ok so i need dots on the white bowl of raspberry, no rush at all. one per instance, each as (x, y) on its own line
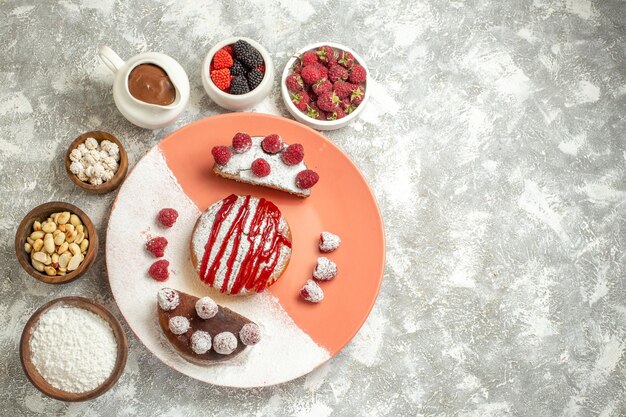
(324, 85)
(237, 73)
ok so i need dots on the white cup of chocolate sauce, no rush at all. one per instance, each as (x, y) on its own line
(150, 89)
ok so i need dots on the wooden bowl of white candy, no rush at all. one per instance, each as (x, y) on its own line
(96, 162)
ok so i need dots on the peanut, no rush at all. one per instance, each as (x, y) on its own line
(42, 257)
(54, 217)
(37, 235)
(79, 238)
(29, 240)
(80, 228)
(70, 236)
(63, 248)
(74, 220)
(84, 245)
(64, 217)
(61, 228)
(55, 258)
(50, 270)
(74, 248)
(69, 227)
(59, 239)
(37, 245)
(48, 244)
(38, 265)
(49, 227)
(74, 262)
(64, 259)
(36, 226)
(27, 247)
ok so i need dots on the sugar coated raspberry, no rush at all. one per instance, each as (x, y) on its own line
(242, 142)
(167, 217)
(329, 242)
(272, 144)
(325, 269)
(156, 246)
(179, 325)
(221, 154)
(260, 167)
(158, 270)
(224, 343)
(168, 299)
(200, 342)
(206, 308)
(312, 292)
(293, 155)
(250, 334)
(306, 179)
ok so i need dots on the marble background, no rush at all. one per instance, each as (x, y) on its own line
(494, 144)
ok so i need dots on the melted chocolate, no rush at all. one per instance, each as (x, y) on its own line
(150, 84)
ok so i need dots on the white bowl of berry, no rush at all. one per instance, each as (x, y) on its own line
(324, 85)
(237, 73)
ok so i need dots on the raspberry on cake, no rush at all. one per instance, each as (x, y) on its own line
(240, 245)
(266, 161)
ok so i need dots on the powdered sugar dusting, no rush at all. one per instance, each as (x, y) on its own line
(135, 293)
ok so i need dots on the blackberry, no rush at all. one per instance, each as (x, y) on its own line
(246, 53)
(254, 78)
(237, 68)
(239, 85)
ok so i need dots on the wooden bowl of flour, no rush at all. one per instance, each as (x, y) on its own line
(42, 384)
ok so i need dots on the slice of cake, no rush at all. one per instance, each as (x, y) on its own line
(202, 331)
(240, 245)
(266, 161)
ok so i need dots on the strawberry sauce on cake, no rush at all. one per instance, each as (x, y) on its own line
(241, 244)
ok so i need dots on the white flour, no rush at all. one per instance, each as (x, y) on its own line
(73, 349)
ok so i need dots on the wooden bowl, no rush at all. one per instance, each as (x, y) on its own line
(40, 383)
(120, 174)
(41, 213)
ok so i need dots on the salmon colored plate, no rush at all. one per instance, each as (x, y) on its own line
(341, 203)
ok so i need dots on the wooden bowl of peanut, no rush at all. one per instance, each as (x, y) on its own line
(96, 162)
(56, 242)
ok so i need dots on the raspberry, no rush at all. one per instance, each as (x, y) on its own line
(309, 57)
(229, 49)
(329, 242)
(343, 89)
(294, 82)
(260, 167)
(221, 78)
(306, 179)
(293, 155)
(325, 269)
(310, 74)
(345, 59)
(328, 101)
(158, 270)
(347, 106)
(322, 86)
(312, 292)
(250, 334)
(314, 112)
(167, 217)
(358, 74)
(242, 142)
(337, 73)
(337, 114)
(326, 54)
(272, 144)
(221, 154)
(357, 95)
(156, 246)
(222, 59)
(261, 68)
(323, 70)
(300, 99)
(297, 67)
